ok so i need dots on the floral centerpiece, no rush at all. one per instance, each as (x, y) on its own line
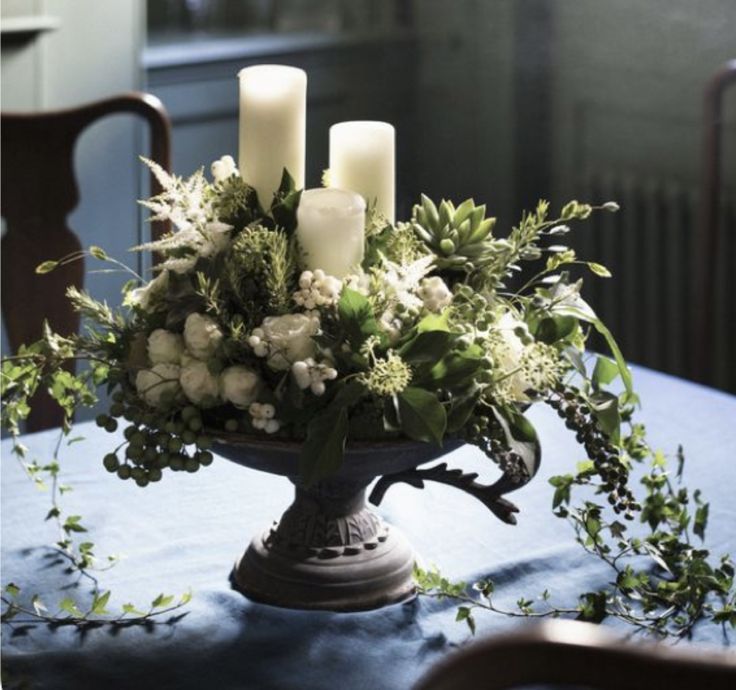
(256, 329)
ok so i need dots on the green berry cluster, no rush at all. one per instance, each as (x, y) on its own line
(155, 440)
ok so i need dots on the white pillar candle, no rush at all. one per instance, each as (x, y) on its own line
(331, 230)
(362, 159)
(273, 117)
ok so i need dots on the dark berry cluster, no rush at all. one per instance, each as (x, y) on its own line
(578, 416)
(485, 433)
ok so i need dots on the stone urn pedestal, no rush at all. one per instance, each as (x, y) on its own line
(330, 550)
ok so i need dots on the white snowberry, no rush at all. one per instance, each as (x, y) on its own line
(434, 293)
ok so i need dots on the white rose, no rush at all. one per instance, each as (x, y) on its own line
(199, 385)
(289, 338)
(202, 335)
(153, 383)
(165, 346)
(510, 356)
(148, 296)
(240, 386)
(224, 168)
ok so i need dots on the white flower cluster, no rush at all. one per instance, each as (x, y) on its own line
(188, 206)
(151, 295)
(434, 293)
(262, 417)
(224, 168)
(180, 365)
(309, 374)
(317, 289)
(521, 365)
(285, 339)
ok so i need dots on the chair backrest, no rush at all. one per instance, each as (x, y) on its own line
(39, 190)
(703, 323)
(579, 654)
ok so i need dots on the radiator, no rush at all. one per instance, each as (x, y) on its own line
(649, 247)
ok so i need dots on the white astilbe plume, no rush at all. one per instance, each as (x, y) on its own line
(401, 282)
(188, 206)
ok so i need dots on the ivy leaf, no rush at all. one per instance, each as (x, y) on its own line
(132, 610)
(434, 322)
(605, 372)
(701, 520)
(99, 602)
(456, 368)
(460, 412)
(356, 317)
(580, 309)
(605, 408)
(427, 346)
(69, 606)
(592, 607)
(162, 601)
(521, 437)
(422, 416)
(323, 450)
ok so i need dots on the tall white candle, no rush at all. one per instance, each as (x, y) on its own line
(363, 159)
(331, 230)
(273, 117)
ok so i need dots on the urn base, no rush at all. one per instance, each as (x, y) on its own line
(330, 552)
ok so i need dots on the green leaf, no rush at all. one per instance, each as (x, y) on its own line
(322, 452)
(132, 610)
(521, 437)
(185, 598)
(428, 346)
(592, 607)
(605, 371)
(422, 416)
(99, 602)
(701, 520)
(12, 589)
(356, 317)
(581, 310)
(460, 412)
(456, 368)
(53, 513)
(553, 329)
(69, 606)
(162, 601)
(434, 322)
(46, 267)
(605, 408)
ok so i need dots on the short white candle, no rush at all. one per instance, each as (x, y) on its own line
(273, 120)
(363, 159)
(331, 230)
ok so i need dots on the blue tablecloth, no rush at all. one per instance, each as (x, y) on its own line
(186, 532)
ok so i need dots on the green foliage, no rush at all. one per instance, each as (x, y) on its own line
(421, 416)
(356, 318)
(260, 269)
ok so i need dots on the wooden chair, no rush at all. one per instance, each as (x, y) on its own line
(703, 322)
(39, 190)
(579, 654)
